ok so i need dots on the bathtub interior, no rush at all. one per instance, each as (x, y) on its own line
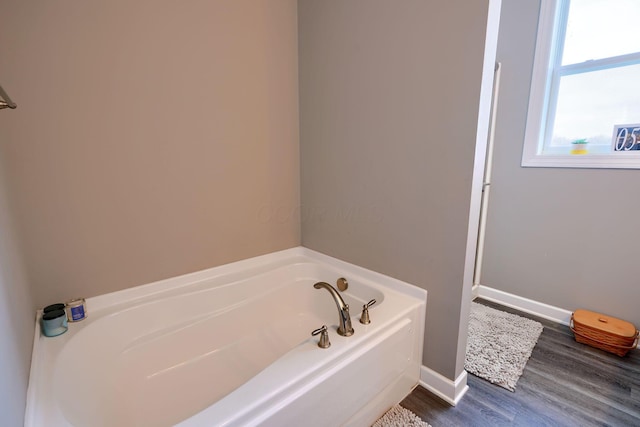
(195, 347)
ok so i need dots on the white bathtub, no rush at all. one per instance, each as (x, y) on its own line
(232, 346)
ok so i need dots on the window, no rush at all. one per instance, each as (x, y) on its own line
(584, 105)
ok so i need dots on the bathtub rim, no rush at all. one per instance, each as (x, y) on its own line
(162, 287)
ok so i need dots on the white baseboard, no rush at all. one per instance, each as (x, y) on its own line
(452, 391)
(540, 309)
(446, 389)
(546, 311)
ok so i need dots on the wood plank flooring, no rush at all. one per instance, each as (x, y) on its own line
(564, 384)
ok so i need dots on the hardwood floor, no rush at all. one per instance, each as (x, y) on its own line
(564, 384)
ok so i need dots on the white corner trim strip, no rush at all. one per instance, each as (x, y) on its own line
(540, 309)
(32, 388)
(446, 389)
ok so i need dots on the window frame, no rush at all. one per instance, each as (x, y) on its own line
(545, 82)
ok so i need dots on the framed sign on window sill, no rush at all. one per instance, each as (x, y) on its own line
(626, 138)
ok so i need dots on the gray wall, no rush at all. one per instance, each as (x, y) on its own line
(17, 314)
(152, 138)
(565, 237)
(389, 100)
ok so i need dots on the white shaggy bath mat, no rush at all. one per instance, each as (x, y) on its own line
(400, 417)
(499, 345)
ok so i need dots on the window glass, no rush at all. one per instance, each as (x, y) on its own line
(585, 84)
(599, 29)
(590, 104)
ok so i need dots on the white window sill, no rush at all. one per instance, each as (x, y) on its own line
(600, 161)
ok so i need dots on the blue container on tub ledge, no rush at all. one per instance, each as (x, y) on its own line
(54, 320)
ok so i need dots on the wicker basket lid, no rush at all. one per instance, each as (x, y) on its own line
(604, 323)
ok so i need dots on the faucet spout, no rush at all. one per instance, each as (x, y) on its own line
(344, 325)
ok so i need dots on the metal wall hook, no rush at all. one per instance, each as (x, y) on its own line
(5, 101)
(364, 317)
(324, 337)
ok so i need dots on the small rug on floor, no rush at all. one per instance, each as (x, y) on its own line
(499, 345)
(400, 417)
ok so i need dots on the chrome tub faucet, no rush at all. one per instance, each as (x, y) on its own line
(345, 329)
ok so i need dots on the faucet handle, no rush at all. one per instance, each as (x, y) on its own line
(364, 317)
(324, 336)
